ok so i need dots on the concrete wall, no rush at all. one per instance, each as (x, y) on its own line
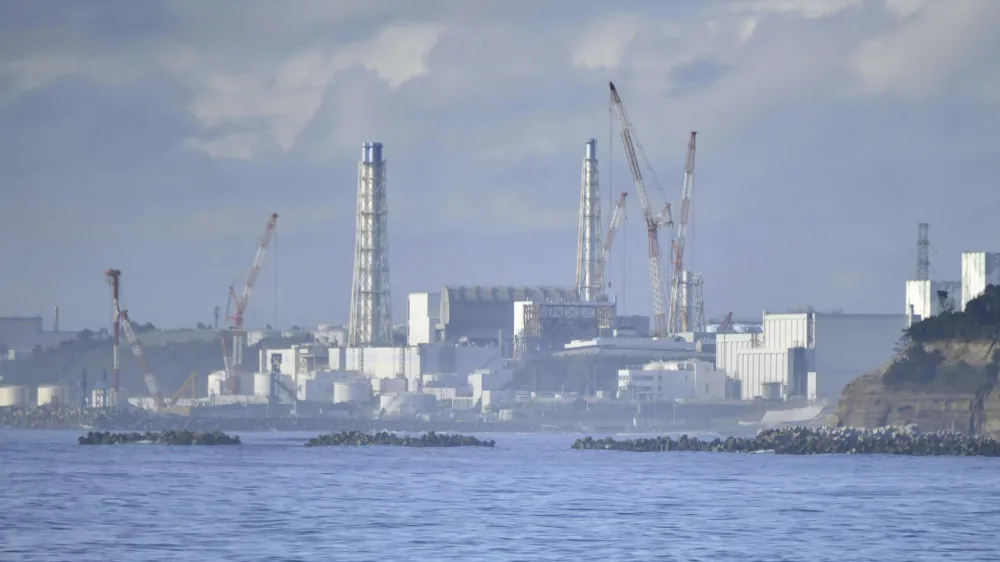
(849, 345)
(726, 346)
(782, 331)
(979, 269)
(756, 367)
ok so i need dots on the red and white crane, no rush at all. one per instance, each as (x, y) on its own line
(234, 360)
(680, 294)
(653, 223)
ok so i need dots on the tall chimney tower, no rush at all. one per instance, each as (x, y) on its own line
(923, 252)
(55, 318)
(371, 305)
(590, 240)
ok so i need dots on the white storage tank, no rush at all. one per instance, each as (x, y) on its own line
(13, 395)
(262, 384)
(51, 394)
(351, 391)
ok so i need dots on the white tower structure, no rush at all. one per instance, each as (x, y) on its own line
(371, 304)
(590, 248)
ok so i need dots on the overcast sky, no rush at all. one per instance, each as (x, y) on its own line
(156, 137)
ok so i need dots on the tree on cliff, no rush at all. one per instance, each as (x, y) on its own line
(979, 321)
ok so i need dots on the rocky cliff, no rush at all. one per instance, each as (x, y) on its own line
(938, 385)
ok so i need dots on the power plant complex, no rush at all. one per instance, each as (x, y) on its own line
(488, 350)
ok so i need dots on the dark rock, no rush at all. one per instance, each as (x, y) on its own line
(430, 439)
(816, 441)
(182, 437)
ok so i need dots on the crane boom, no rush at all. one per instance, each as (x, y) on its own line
(653, 223)
(232, 363)
(616, 219)
(679, 312)
(147, 373)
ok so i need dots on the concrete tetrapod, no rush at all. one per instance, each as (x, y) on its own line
(430, 439)
(182, 437)
(816, 441)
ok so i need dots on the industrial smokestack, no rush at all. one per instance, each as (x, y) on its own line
(55, 318)
(590, 248)
(371, 307)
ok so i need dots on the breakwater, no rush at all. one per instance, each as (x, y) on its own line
(815, 441)
(429, 439)
(160, 438)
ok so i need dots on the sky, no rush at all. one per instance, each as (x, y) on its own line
(156, 137)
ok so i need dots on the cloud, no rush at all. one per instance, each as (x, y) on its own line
(156, 136)
(603, 43)
(936, 45)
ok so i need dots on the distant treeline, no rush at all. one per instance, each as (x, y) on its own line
(979, 321)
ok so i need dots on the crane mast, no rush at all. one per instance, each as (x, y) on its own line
(653, 223)
(235, 360)
(616, 219)
(680, 290)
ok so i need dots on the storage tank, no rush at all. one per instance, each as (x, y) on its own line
(351, 391)
(51, 394)
(262, 384)
(13, 395)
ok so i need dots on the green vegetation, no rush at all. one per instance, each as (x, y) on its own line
(922, 363)
(978, 322)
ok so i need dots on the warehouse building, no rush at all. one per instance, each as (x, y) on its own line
(672, 380)
(808, 354)
(482, 314)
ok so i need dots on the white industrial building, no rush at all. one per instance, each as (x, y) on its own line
(924, 298)
(315, 370)
(673, 380)
(979, 269)
(423, 317)
(808, 354)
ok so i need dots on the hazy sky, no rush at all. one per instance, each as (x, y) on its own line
(156, 137)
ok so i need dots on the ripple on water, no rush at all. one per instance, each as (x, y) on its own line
(531, 498)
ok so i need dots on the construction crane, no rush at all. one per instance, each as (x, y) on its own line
(616, 219)
(233, 361)
(680, 289)
(653, 223)
(726, 327)
(147, 373)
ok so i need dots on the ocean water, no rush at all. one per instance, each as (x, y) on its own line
(531, 498)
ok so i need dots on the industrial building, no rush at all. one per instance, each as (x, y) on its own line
(672, 380)
(926, 298)
(807, 354)
(979, 269)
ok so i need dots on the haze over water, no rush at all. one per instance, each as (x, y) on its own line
(531, 498)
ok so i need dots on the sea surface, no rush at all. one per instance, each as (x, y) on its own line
(531, 498)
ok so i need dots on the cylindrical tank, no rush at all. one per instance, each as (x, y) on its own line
(351, 391)
(262, 384)
(13, 395)
(51, 394)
